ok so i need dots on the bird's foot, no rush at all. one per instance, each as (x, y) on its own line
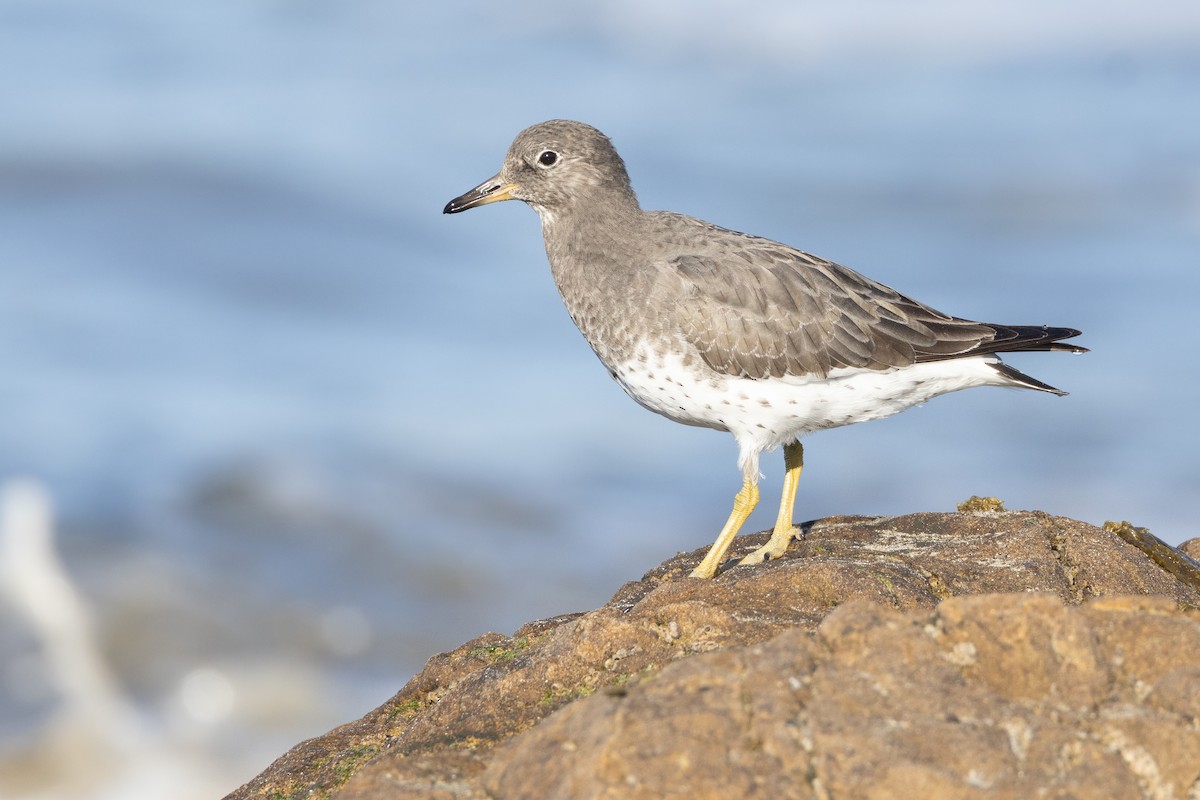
(775, 547)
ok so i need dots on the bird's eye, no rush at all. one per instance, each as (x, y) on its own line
(548, 158)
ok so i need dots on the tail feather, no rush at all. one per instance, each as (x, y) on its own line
(1019, 378)
(1027, 339)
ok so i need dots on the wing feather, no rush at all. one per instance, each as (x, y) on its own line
(782, 311)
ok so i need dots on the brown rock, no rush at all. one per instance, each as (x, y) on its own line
(931, 655)
(1191, 548)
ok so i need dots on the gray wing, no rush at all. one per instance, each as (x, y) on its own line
(759, 309)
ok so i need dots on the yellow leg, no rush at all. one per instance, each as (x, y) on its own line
(743, 504)
(781, 537)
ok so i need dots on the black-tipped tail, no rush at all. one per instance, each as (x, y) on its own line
(1019, 378)
(1027, 339)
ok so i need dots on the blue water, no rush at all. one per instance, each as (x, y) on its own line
(266, 381)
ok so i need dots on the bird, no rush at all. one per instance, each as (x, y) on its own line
(719, 329)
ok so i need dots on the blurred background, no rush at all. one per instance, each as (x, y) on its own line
(273, 430)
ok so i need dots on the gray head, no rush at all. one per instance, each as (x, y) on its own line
(554, 166)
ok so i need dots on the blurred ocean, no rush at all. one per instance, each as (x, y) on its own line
(300, 431)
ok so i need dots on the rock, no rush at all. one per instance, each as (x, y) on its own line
(1191, 549)
(1010, 654)
(1004, 694)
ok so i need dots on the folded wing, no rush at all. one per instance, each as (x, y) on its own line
(763, 310)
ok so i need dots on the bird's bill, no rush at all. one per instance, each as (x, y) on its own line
(493, 190)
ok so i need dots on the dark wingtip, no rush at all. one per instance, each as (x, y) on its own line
(1029, 338)
(1067, 348)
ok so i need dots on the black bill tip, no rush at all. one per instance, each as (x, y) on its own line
(492, 190)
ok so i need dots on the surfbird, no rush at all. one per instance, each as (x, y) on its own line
(720, 329)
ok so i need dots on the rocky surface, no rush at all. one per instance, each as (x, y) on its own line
(985, 653)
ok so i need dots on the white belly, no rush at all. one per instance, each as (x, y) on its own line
(763, 414)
